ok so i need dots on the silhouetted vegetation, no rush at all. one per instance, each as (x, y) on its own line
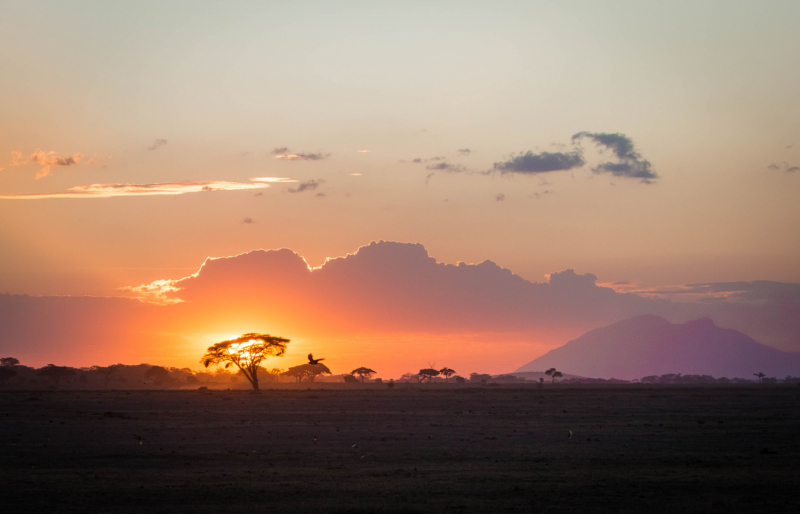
(447, 373)
(307, 371)
(363, 372)
(246, 352)
(56, 374)
(9, 361)
(428, 373)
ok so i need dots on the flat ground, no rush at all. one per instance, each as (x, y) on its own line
(408, 449)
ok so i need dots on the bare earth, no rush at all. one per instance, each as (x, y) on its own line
(426, 448)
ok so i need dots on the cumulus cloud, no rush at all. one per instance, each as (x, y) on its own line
(157, 144)
(309, 185)
(543, 162)
(784, 166)
(163, 188)
(382, 293)
(629, 163)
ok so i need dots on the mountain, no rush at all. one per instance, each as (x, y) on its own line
(651, 345)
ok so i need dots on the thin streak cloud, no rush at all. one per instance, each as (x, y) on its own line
(164, 188)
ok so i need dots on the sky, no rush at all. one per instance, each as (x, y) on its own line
(650, 144)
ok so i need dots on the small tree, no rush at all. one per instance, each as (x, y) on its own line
(9, 361)
(428, 373)
(246, 352)
(760, 376)
(56, 373)
(308, 371)
(447, 373)
(552, 373)
(363, 372)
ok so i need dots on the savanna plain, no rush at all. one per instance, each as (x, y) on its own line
(411, 448)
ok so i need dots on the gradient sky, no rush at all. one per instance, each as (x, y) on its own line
(198, 95)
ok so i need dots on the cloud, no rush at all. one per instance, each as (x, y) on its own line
(284, 154)
(500, 197)
(784, 166)
(463, 151)
(164, 188)
(630, 163)
(384, 297)
(157, 144)
(543, 162)
(48, 159)
(445, 166)
(310, 185)
(17, 159)
(248, 221)
(417, 160)
(363, 151)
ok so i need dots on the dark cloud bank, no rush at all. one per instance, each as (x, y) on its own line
(627, 161)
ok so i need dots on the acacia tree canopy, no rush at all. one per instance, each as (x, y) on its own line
(363, 372)
(246, 352)
(428, 373)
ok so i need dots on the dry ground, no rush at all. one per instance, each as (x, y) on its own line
(409, 449)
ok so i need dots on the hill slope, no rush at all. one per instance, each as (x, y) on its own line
(650, 345)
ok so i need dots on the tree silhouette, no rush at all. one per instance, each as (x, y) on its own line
(9, 361)
(428, 373)
(363, 372)
(246, 352)
(309, 371)
(552, 373)
(158, 374)
(447, 373)
(56, 373)
(109, 373)
(760, 376)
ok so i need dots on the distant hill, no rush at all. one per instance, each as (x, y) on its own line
(650, 345)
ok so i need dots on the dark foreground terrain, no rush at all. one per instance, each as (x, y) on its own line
(410, 449)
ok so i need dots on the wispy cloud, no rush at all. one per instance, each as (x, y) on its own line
(500, 197)
(544, 162)
(164, 188)
(363, 151)
(248, 221)
(284, 154)
(445, 166)
(784, 166)
(306, 186)
(630, 162)
(463, 151)
(157, 144)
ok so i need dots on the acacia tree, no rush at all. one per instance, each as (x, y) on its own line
(363, 372)
(760, 376)
(552, 373)
(428, 373)
(307, 371)
(447, 373)
(9, 361)
(246, 353)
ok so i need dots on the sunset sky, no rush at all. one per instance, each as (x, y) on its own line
(650, 144)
